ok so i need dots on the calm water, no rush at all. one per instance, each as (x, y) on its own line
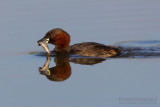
(115, 82)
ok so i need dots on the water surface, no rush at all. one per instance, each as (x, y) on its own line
(126, 23)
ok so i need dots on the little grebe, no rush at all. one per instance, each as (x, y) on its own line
(61, 40)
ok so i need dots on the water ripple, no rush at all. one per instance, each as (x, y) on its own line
(140, 49)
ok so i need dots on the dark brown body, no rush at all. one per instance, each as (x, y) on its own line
(93, 49)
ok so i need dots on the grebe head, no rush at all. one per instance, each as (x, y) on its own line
(57, 37)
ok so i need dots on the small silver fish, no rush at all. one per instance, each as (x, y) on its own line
(44, 45)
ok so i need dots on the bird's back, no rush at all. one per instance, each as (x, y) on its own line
(93, 49)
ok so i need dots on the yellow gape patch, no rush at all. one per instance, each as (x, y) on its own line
(47, 40)
(48, 72)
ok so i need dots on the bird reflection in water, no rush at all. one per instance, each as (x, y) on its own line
(62, 70)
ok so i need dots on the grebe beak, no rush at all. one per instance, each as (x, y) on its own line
(44, 40)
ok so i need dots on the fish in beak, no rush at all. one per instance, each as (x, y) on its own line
(43, 42)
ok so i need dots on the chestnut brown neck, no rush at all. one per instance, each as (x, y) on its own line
(61, 42)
